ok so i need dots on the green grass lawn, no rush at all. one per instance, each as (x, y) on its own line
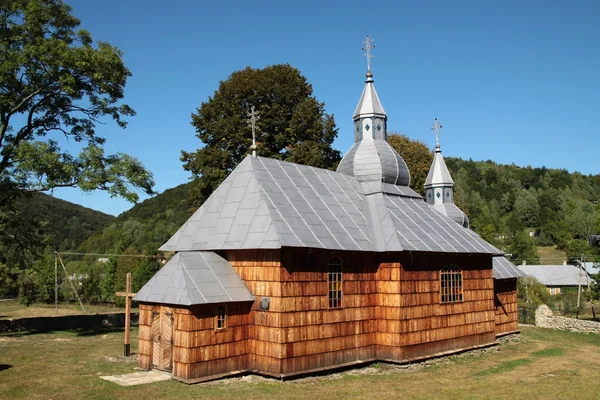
(544, 364)
(550, 255)
(13, 309)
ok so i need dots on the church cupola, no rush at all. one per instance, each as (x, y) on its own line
(439, 186)
(371, 158)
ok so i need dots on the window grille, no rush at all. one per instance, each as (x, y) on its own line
(451, 289)
(335, 282)
(221, 317)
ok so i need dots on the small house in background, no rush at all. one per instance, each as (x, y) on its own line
(557, 277)
(288, 269)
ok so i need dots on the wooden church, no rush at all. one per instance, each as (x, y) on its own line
(288, 269)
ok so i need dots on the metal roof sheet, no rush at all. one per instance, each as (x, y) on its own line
(267, 203)
(189, 278)
(555, 275)
(504, 269)
(369, 104)
(438, 173)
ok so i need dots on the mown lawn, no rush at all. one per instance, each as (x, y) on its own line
(544, 364)
(13, 309)
(550, 255)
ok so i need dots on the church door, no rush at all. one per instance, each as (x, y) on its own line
(162, 338)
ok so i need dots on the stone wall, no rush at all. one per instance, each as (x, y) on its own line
(545, 318)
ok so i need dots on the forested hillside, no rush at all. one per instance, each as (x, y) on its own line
(64, 225)
(145, 226)
(506, 202)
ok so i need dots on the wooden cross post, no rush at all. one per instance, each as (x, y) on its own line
(128, 296)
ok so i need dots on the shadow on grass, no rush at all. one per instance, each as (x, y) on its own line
(83, 332)
(5, 367)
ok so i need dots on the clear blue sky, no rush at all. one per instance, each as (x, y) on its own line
(511, 81)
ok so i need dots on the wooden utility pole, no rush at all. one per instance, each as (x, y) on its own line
(70, 281)
(128, 296)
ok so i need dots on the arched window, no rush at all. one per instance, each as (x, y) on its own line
(334, 279)
(451, 288)
(220, 317)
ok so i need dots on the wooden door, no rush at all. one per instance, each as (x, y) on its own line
(162, 338)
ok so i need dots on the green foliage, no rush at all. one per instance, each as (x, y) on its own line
(531, 293)
(418, 158)
(144, 272)
(293, 125)
(27, 287)
(57, 84)
(506, 200)
(107, 284)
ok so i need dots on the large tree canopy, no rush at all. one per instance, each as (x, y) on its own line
(57, 84)
(293, 125)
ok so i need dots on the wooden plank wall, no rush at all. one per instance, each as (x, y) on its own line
(145, 336)
(507, 316)
(412, 322)
(263, 275)
(199, 350)
(391, 311)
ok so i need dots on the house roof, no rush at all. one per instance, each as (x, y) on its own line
(266, 203)
(504, 269)
(555, 275)
(592, 268)
(200, 277)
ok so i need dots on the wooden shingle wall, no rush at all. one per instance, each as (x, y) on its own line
(390, 311)
(413, 323)
(507, 317)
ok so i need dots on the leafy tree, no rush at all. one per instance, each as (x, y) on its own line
(57, 84)
(527, 207)
(522, 248)
(293, 125)
(530, 291)
(144, 272)
(417, 156)
(107, 285)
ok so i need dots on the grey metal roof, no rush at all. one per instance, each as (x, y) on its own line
(592, 268)
(266, 203)
(504, 269)
(200, 277)
(374, 160)
(369, 104)
(453, 212)
(438, 173)
(555, 275)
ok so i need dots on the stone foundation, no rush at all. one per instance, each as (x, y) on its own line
(545, 318)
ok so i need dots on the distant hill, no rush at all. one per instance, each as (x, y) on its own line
(145, 226)
(68, 224)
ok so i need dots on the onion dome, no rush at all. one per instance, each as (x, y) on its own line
(371, 158)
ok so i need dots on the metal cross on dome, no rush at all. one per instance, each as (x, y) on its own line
(367, 49)
(436, 126)
(252, 120)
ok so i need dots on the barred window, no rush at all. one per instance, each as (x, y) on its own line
(451, 285)
(334, 277)
(221, 318)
